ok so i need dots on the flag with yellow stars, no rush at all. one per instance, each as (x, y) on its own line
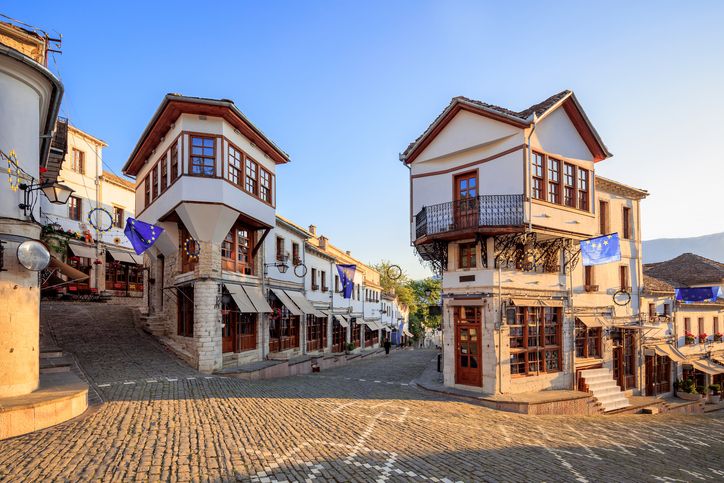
(600, 250)
(141, 235)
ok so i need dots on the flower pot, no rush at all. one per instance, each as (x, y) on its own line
(688, 397)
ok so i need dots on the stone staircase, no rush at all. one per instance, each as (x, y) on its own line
(153, 324)
(602, 385)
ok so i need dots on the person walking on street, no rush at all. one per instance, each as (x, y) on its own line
(387, 346)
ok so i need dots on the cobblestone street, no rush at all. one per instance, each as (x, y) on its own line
(364, 422)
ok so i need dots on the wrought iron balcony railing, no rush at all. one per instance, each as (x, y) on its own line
(482, 211)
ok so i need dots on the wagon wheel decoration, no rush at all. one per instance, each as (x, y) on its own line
(300, 270)
(622, 298)
(394, 272)
(193, 253)
(96, 224)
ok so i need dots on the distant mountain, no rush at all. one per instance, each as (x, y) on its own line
(662, 249)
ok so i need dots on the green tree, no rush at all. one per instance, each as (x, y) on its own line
(427, 294)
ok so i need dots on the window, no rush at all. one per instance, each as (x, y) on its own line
(203, 156)
(466, 256)
(623, 276)
(603, 217)
(569, 185)
(535, 341)
(716, 325)
(323, 280)
(154, 182)
(164, 173)
(316, 333)
(667, 309)
(174, 162)
(147, 191)
(589, 280)
(337, 288)
(185, 297)
(626, 228)
(227, 246)
(687, 325)
(588, 341)
(701, 326)
(233, 174)
(250, 185)
(314, 279)
(536, 166)
(583, 189)
(652, 310)
(75, 208)
(554, 180)
(280, 249)
(77, 162)
(265, 188)
(296, 259)
(117, 217)
(236, 250)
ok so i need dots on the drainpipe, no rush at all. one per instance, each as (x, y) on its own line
(530, 174)
(500, 330)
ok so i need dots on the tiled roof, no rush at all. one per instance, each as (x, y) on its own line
(687, 270)
(522, 116)
(112, 178)
(653, 284)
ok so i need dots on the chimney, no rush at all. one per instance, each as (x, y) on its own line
(322, 242)
(349, 253)
(313, 230)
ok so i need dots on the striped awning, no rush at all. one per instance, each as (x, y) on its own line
(590, 321)
(122, 256)
(304, 304)
(242, 300)
(342, 319)
(82, 251)
(288, 303)
(257, 298)
(667, 350)
(708, 366)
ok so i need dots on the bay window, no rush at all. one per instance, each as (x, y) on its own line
(554, 181)
(569, 185)
(203, 156)
(537, 173)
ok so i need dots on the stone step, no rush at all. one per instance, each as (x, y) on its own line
(598, 378)
(608, 390)
(594, 386)
(595, 372)
(54, 369)
(617, 405)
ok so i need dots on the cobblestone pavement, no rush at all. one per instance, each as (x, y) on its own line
(362, 422)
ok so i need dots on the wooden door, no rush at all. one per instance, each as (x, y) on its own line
(468, 346)
(465, 204)
(650, 377)
(228, 332)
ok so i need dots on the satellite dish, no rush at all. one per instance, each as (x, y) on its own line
(33, 255)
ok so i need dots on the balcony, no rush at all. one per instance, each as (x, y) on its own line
(484, 214)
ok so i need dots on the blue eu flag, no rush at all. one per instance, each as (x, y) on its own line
(346, 276)
(141, 235)
(697, 294)
(600, 250)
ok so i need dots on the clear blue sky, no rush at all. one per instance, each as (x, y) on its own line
(344, 86)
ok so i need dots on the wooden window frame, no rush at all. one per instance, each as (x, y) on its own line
(279, 248)
(624, 279)
(467, 256)
(571, 187)
(603, 217)
(251, 183)
(553, 187)
(296, 258)
(715, 321)
(520, 343)
(154, 182)
(538, 185)
(626, 223)
(174, 162)
(231, 247)
(588, 341)
(323, 280)
(164, 173)
(652, 310)
(77, 163)
(237, 177)
(687, 325)
(337, 287)
(701, 326)
(118, 220)
(203, 156)
(589, 278)
(313, 275)
(75, 208)
(584, 190)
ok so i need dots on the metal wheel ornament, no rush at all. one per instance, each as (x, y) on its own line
(394, 272)
(300, 270)
(187, 248)
(622, 298)
(98, 226)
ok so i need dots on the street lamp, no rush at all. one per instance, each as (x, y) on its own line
(56, 193)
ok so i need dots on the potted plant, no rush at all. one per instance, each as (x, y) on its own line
(714, 393)
(689, 338)
(349, 347)
(718, 337)
(687, 390)
(702, 338)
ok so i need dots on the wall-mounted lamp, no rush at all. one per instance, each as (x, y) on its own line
(57, 193)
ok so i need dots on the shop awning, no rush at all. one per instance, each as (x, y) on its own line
(67, 270)
(257, 298)
(304, 304)
(122, 256)
(284, 298)
(324, 313)
(522, 302)
(82, 251)
(590, 321)
(669, 351)
(466, 302)
(552, 303)
(242, 301)
(707, 366)
(372, 324)
(342, 319)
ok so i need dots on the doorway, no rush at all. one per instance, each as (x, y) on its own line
(465, 205)
(468, 346)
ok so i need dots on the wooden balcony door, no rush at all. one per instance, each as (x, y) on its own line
(465, 205)
(468, 346)
(624, 358)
